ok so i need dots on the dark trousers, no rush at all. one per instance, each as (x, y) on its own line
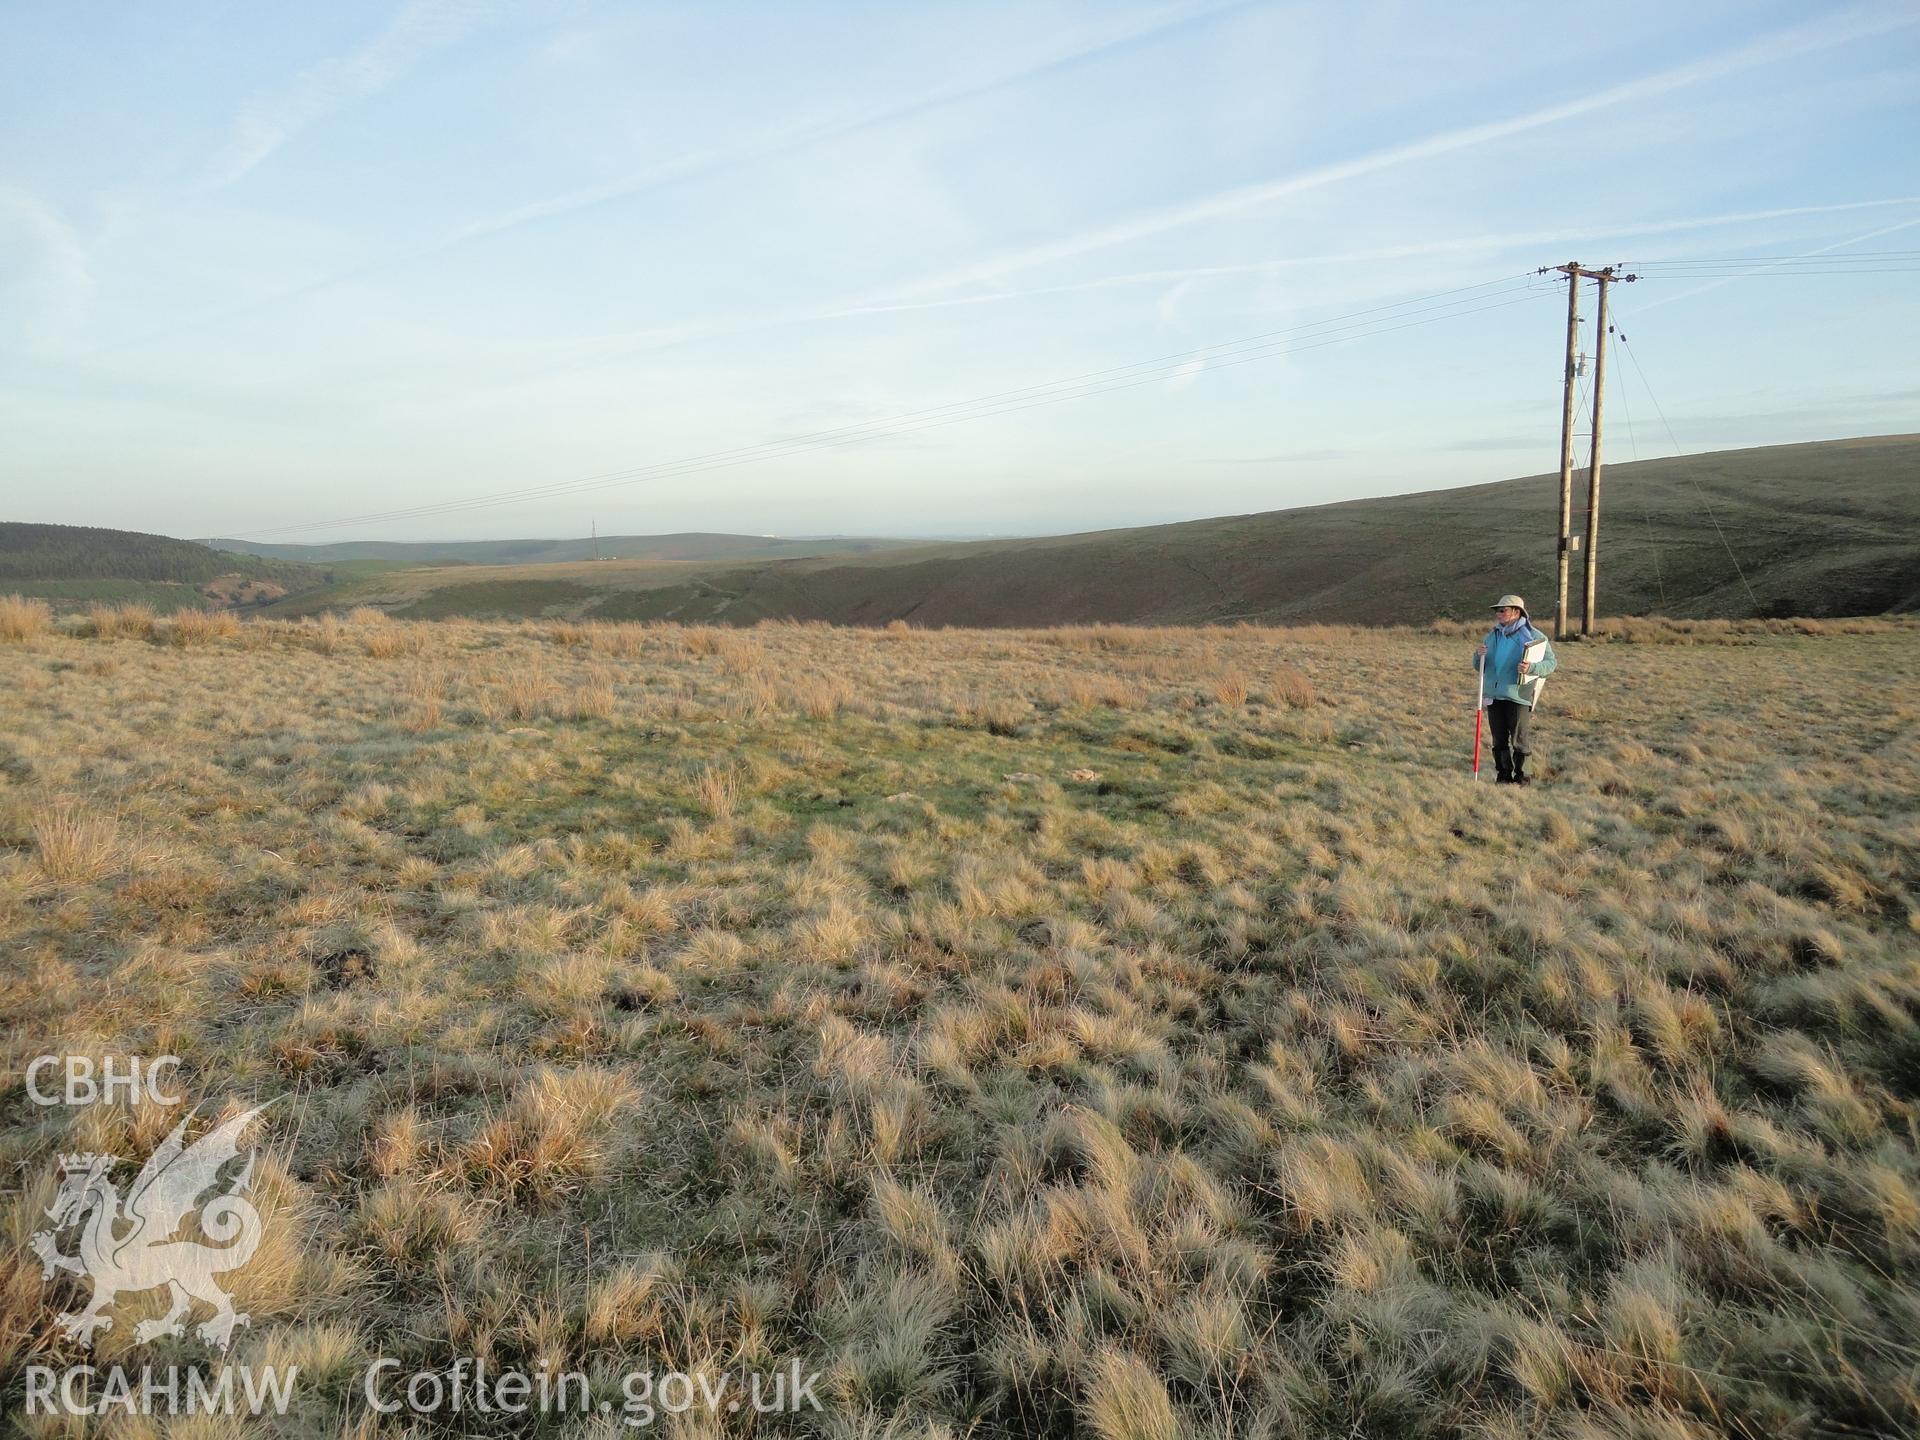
(1508, 720)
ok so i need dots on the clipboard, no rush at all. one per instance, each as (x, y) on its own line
(1530, 684)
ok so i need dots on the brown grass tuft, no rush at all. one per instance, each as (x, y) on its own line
(719, 790)
(131, 621)
(819, 697)
(22, 618)
(386, 638)
(1291, 688)
(551, 1141)
(72, 843)
(1230, 690)
(525, 694)
(1124, 1399)
(202, 627)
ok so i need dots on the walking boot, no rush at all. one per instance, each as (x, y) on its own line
(1520, 776)
(1503, 767)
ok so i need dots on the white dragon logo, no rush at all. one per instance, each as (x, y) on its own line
(146, 1256)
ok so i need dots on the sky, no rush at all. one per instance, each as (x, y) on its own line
(305, 273)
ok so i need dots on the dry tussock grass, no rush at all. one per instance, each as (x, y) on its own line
(131, 621)
(716, 996)
(526, 694)
(379, 635)
(621, 641)
(22, 619)
(423, 702)
(202, 627)
(719, 790)
(72, 842)
(1231, 690)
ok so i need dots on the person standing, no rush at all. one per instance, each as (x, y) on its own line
(1510, 684)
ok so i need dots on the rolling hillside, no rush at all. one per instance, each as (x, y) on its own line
(687, 546)
(75, 564)
(1828, 528)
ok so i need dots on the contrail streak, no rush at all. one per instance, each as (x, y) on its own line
(1856, 24)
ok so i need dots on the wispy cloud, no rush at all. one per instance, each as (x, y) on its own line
(1484, 244)
(268, 121)
(1857, 23)
(422, 24)
(794, 136)
(45, 277)
(1185, 375)
(1287, 457)
(1492, 444)
(1837, 415)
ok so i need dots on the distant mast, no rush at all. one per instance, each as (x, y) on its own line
(596, 538)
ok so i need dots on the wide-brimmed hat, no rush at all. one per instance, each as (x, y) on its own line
(1505, 600)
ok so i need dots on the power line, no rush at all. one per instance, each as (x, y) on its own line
(1815, 257)
(1838, 258)
(1646, 504)
(1686, 467)
(1904, 267)
(1810, 257)
(1717, 271)
(1830, 260)
(1786, 262)
(1421, 310)
(1789, 274)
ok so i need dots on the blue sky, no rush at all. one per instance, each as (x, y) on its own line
(262, 266)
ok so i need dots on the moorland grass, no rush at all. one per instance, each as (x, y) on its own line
(1134, 1033)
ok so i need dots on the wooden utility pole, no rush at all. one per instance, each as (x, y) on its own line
(1575, 273)
(1592, 558)
(1572, 271)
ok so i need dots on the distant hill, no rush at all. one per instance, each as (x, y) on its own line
(688, 546)
(1828, 528)
(79, 563)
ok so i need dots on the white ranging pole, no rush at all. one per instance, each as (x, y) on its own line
(1479, 707)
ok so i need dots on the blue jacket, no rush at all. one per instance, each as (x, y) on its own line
(1502, 678)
